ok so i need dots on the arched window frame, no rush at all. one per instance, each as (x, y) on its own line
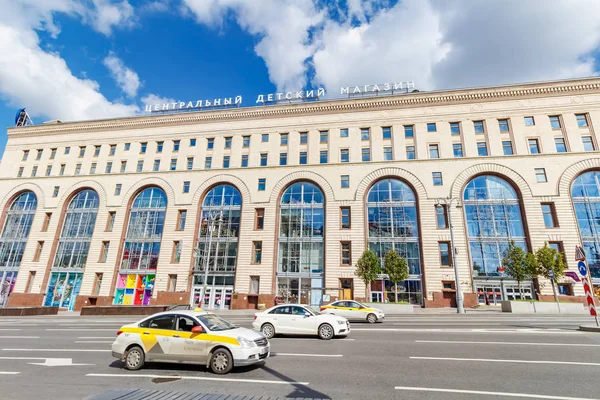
(15, 232)
(585, 194)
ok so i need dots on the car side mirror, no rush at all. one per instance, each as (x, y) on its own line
(197, 329)
(306, 315)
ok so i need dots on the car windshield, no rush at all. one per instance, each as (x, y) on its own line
(313, 310)
(214, 322)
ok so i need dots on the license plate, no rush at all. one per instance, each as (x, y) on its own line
(265, 350)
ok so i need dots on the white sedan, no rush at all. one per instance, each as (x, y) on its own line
(295, 319)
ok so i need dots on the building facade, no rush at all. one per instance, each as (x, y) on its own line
(235, 207)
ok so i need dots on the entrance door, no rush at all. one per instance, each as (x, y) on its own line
(346, 292)
(377, 297)
(63, 289)
(489, 294)
(216, 297)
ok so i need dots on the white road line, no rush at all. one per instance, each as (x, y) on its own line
(9, 329)
(503, 394)
(517, 331)
(97, 337)
(510, 343)
(94, 341)
(9, 373)
(307, 355)
(198, 378)
(58, 350)
(79, 329)
(507, 361)
(19, 337)
(315, 339)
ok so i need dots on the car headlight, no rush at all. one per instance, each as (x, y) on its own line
(340, 322)
(245, 343)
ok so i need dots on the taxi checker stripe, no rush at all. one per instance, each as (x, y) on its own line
(167, 332)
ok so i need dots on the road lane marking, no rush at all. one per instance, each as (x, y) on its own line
(79, 329)
(503, 394)
(97, 337)
(9, 329)
(510, 343)
(198, 378)
(57, 350)
(94, 341)
(9, 373)
(19, 337)
(507, 361)
(546, 331)
(315, 339)
(307, 355)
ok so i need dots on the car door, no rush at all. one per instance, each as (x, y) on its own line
(156, 335)
(302, 323)
(281, 319)
(341, 309)
(188, 346)
(353, 311)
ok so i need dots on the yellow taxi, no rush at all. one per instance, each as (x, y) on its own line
(354, 311)
(195, 337)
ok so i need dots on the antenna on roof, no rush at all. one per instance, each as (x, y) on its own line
(22, 118)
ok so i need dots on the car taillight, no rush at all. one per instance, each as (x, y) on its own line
(119, 332)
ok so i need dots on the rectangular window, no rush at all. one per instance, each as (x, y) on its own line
(284, 139)
(323, 157)
(387, 154)
(210, 144)
(20, 173)
(190, 163)
(365, 133)
(67, 150)
(113, 150)
(457, 149)
(345, 155)
(344, 132)
(30, 281)
(110, 222)
(282, 158)
(81, 151)
(256, 252)
(207, 162)
(226, 162)
(181, 217)
(409, 131)
(228, 142)
(482, 149)
(345, 181)
(97, 284)
(25, 155)
(434, 151)
(558, 246)
(176, 144)
(38, 251)
(156, 166)
(265, 137)
(104, 252)
(455, 128)
(262, 184)
(159, 146)
(529, 121)
(192, 142)
(346, 253)
(173, 165)
(303, 158)
(254, 284)
(555, 121)
(479, 127)
(581, 120)
(108, 168)
(437, 178)
(445, 255)
(143, 148)
(56, 190)
(96, 151)
(118, 187)
(92, 168)
(186, 186)
(431, 127)
(123, 166)
(441, 216)
(52, 154)
(77, 169)
(503, 125)
(410, 152)
(507, 148)
(38, 156)
(49, 170)
(387, 132)
(47, 219)
(35, 168)
(244, 160)
(324, 136)
(259, 219)
(176, 255)
(62, 169)
(534, 146)
(540, 175)
(303, 137)
(549, 213)
(588, 144)
(366, 154)
(560, 144)
(246, 141)
(345, 217)
(263, 159)
(127, 146)
(172, 282)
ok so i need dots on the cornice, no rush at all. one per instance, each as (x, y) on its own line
(420, 99)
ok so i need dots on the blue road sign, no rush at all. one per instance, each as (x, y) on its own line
(551, 274)
(582, 268)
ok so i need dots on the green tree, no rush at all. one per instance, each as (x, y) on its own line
(519, 264)
(396, 268)
(550, 265)
(368, 268)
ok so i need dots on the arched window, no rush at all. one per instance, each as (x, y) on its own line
(15, 232)
(217, 246)
(72, 251)
(586, 200)
(393, 225)
(136, 278)
(494, 219)
(301, 231)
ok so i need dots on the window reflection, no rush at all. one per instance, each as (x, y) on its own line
(16, 230)
(586, 200)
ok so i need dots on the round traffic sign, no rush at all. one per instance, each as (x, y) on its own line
(582, 268)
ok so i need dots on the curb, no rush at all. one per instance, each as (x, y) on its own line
(589, 328)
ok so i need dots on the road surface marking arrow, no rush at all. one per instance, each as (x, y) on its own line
(57, 362)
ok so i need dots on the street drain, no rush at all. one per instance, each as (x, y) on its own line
(165, 379)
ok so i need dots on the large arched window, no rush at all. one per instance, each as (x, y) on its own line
(393, 225)
(136, 278)
(217, 246)
(72, 251)
(301, 232)
(494, 220)
(15, 232)
(586, 199)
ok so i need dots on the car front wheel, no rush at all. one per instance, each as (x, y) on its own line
(134, 358)
(326, 332)
(371, 318)
(221, 361)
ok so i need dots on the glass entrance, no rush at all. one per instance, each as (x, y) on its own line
(492, 293)
(7, 284)
(218, 292)
(63, 289)
(489, 294)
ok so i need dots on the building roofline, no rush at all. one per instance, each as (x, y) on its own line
(425, 98)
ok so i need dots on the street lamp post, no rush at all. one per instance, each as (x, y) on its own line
(448, 202)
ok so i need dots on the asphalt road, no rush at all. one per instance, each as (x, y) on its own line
(479, 356)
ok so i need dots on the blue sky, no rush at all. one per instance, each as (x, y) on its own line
(89, 59)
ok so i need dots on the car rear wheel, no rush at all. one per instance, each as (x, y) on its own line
(268, 330)
(326, 332)
(371, 318)
(134, 358)
(221, 361)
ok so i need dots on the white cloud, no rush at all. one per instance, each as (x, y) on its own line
(126, 78)
(152, 99)
(106, 14)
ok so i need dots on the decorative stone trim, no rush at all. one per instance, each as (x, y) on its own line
(494, 169)
(403, 174)
(22, 188)
(302, 176)
(152, 181)
(68, 194)
(568, 176)
(222, 179)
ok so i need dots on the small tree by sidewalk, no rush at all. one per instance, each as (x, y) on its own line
(396, 269)
(519, 264)
(550, 264)
(368, 268)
